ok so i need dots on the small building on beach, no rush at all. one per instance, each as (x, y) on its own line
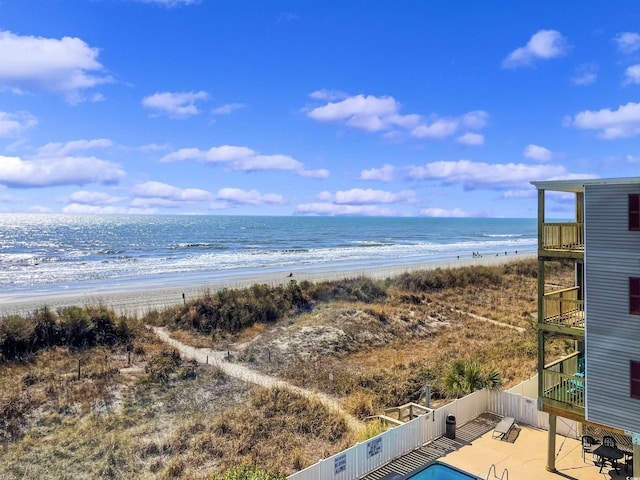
(598, 316)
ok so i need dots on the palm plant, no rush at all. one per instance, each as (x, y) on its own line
(464, 377)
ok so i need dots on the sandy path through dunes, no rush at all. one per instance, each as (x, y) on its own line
(217, 358)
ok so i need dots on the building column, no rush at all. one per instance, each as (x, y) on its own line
(636, 459)
(551, 444)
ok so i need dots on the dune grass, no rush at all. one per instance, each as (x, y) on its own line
(136, 411)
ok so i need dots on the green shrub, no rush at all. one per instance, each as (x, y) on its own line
(248, 472)
(15, 337)
(163, 367)
(75, 327)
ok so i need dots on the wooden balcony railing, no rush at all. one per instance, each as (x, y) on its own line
(563, 236)
(562, 307)
(563, 388)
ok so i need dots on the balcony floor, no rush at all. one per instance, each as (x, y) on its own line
(571, 319)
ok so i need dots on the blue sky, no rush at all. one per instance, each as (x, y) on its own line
(390, 108)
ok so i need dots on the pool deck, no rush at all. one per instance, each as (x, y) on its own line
(523, 454)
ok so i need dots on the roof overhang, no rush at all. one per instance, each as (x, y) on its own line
(579, 185)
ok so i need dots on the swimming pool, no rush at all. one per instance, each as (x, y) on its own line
(440, 471)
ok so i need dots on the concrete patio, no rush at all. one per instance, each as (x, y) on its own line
(524, 456)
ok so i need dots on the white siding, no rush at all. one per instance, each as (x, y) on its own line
(612, 255)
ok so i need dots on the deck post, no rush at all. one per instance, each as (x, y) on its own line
(636, 458)
(551, 445)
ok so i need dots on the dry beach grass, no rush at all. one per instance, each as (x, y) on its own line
(370, 344)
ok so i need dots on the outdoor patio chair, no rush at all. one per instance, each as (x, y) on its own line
(609, 441)
(503, 428)
(588, 442)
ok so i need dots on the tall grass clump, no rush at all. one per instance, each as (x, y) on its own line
(359, 289)
(73, 327)
(440, 279)
(232, 310)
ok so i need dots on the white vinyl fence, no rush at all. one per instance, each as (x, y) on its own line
(365, 457)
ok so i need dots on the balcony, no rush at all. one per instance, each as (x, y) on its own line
(563, 308)
(563, 384)
(568, 236)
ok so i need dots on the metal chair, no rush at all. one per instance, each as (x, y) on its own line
(588, 442)
(609, 441)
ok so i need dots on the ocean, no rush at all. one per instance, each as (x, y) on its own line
(42, 253)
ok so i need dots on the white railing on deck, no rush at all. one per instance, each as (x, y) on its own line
(365, 457)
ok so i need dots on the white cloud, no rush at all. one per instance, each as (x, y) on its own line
(471, 139)
(228, 108)
(47, 172)
(360, 196)
(518, 194)
(244, 159)
(585, 74)
(346, 210)
(85, 197)
(384, 174)
(67, 65)
(382, 114)
(238, 196)
(153, 147)
(13, 124)
(326, 94)
(81, 209)
(224, 153)
(475, 120)
(480, 175)
(441, 212)
(164, 191)
(632, 74)
(628, 42)
(633, 158)
(544, 44)
(39, 209)
(320, 173)
(57, 149)
(177, 105)
(368, 113)
(439, 129)
(621, 123)
(267, 162)
(538, 153)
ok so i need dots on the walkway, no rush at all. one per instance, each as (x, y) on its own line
(217, 358)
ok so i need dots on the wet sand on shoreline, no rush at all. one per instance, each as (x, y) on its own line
(137, 300)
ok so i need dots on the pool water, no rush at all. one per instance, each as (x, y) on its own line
(441, 471)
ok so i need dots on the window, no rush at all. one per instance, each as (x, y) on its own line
(634, 373)
(634, 296)
(634, 211)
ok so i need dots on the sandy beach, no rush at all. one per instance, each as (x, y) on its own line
(137, 300)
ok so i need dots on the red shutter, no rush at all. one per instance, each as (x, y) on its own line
(634, 212)
(634, 374)
(634, 296)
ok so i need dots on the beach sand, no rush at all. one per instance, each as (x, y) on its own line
(138, 300)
